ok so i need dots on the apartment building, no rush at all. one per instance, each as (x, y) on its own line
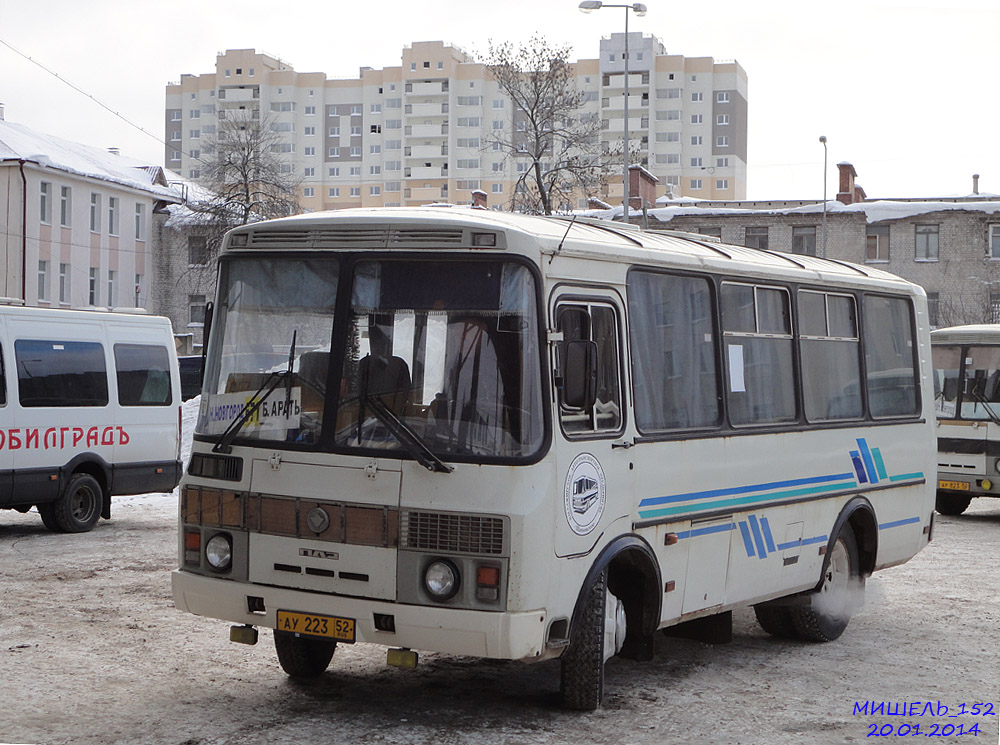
(76, 222)
(421, 132)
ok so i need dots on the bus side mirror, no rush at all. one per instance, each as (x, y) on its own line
(580, 374)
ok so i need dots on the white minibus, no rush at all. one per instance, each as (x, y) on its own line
(89, 409)
(530, 438)
(967, 404)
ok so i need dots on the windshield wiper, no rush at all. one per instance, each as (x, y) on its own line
(409, 439)
(986, 405)
(225, 443)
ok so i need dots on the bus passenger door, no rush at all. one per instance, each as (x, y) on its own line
(589, 382)
(6, 421)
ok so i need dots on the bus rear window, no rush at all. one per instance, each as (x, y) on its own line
(61, 373)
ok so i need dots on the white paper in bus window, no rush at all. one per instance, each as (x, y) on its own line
(736, 382)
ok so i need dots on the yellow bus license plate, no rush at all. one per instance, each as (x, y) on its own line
(310, 624)
(953, 485)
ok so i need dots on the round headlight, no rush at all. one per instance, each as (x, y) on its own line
(441, 579)
(219, 552)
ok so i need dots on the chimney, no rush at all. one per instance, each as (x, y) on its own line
(478, 200)
(975, 176)
(114, 151)
(847, 194)
(641, 188)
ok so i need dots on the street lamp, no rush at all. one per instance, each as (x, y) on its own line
(640, 10)
(822, 138)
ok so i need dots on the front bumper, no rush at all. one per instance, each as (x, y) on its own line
(511, 636)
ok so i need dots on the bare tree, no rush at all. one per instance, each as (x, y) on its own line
(559, 142)
(244, 169)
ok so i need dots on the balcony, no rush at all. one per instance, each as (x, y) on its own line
(635, 124)
(617, 103)
(433, 88)
(617, 82)
(423, 195)
(426, 109)
(426, 151)
(239, 94)
(427, 130)
(426, 172)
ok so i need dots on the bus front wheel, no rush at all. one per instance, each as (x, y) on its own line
(840, 592)
(301, 656)
(581, 685)
(951, 504)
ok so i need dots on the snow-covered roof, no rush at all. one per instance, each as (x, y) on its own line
(18, 142)
(193, 195)
(874, 211)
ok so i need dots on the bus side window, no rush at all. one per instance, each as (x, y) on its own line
(3, 380)
(598, 324)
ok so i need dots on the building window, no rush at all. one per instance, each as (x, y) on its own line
(376, 108)
(721, 183)
(196, 310)
(927, 242)
(93, 294)
(695, 184)
(994, 307)
(140, 222)
(755, 237)
(95, 214)
(309, 131)
(804, 240)
(356, 109)
(333, 191)
(697, 118)
(994, 242)
(722, 120)
(374, 191)
(45, 202)
(722, 97)
(112, 276)
(64, 283)
(696, 140)
(697, 96)
(696, 162)
(112, 215)
(310, 111)
(308, 191)
(877, 243)
(722, 162)
(197, 250)
(933, 304)
(43, 280)
(722, 141)
(356, 151)
(65, 206)
(333, 152)
(355, 191)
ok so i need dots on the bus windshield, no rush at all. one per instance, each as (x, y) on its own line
(448, 349)
(440, 358)
(974, 395)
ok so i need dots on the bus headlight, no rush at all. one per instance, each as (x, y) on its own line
(441, 579)
(219, 552)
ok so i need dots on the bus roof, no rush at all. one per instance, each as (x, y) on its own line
(423, 228)
(976, 333)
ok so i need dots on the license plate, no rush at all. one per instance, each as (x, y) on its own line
(953, 485)
(311, 624)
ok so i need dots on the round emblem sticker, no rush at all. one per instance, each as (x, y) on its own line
(583, 494)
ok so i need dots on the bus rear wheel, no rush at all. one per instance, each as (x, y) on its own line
(302, 656)
(952, 504)
(829, 611)
(78, 508)
(776, 620)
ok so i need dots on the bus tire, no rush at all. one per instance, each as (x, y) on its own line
(48, 514)
(776, 620)
(581, 684)
(951, 504)
(832, 603)
(79, 506)
(302, 656)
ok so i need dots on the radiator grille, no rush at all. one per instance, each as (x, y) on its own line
(348, 237)
(465, 534)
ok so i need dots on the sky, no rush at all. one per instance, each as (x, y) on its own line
(903, 90)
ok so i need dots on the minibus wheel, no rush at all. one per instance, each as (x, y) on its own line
(302, 656)
(79, 506)
(951, 504)
(776, 620)
(840, 592)
(581, 685)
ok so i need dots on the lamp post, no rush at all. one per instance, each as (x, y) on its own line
(640, 10)
(822, 138)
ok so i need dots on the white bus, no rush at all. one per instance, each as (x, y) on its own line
(526, 438)
(967, 403)
(90, 408)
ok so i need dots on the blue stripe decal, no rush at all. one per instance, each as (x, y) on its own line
(879, 463)
(866, 455)
(746, 539)
(897, 523)
(907, 476)
(758, 540)
(767, 534)
(706, 531)
(859, 467)
(651, 501)
(817, 539)
(790, 544)
(663, 511)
